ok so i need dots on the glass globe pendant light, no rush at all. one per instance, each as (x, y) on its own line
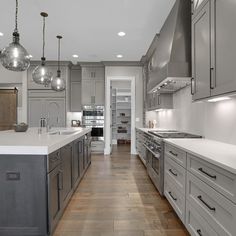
(58, 83)
(41, 74)
(15, 57)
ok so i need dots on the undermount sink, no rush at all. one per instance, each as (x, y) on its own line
(63, 132)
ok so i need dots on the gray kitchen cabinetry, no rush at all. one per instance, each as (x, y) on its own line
(93, 86)
(66, 166)
(213, 54)
(37, 188)
(157, 101)
(75, 90)
(44, 105)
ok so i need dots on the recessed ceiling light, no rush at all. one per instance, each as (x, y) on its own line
(218, 99)
(121, 34)
(1, 34)
(119, 56)
(75, 56)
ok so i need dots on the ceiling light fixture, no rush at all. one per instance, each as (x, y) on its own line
(41, 74)
(58, 83)
(1, 34)
(119, 56)
(121, 34)
(75, 56)
(218, 99)
(15, 57)
(30, 56)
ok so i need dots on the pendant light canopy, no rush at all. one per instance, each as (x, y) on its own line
(41, 74)
(58, 83)
(15, 57)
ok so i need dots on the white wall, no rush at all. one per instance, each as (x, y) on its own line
(132, 71)
(215, 121)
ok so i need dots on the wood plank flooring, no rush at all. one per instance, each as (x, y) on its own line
(117, 198)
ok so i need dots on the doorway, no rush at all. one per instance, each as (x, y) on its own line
(120, 114)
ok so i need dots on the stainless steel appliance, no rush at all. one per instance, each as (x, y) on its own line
(155, 154)
(93, 116)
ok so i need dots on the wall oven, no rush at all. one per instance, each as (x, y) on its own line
(93, 117)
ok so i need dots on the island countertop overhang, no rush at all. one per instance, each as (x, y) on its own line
(32, 143)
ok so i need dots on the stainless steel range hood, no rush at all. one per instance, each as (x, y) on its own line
(172, 68)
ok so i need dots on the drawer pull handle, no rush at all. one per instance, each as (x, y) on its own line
(204, 172)
(175, 199)
(174, 154)
(172, 172)
(206, 204)
(199, 232)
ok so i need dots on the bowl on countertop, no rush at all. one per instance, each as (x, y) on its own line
(22, 127)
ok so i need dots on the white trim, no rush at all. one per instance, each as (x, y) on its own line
(107, 133)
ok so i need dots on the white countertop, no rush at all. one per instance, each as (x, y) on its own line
(220, 154)
(32, 143)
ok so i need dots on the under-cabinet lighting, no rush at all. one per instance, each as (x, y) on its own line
(160, 109)
(119, 56)
(121, 34)
(1, 34)
(75, 56)
(218, 99)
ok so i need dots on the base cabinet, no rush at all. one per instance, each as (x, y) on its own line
(37, 188)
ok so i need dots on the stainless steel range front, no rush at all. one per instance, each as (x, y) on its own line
(155, 154)
(93, 116)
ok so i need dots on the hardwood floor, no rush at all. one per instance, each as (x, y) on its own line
(117, 198)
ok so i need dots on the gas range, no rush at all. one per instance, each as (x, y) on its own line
(172, 134)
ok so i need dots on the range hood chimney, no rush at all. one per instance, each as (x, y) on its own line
(172, 69)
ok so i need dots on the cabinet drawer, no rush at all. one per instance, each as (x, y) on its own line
(176, 173)
(176, 154)
(220, 179)
(218, 211)
(175, 197)
(197, 225)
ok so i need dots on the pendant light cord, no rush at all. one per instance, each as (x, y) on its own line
(16, 17)
(43, 35)
(59, 52)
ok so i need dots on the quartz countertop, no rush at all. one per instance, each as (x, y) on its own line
(33, 143)
(220, 154)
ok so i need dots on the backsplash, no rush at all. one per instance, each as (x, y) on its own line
(215, 121)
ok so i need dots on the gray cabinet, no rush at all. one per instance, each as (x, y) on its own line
(201, 52)
(93, 86)
(159, 101)
(46, 104)
(214, 51)
(66, 157)
(75, 90)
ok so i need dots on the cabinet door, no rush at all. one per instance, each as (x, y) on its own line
(75, 96)
(55, 111)
(99, 92)
(35, 111)
(86, 92)
(81, 156)
(76, 164)
(54, 186)
(66, 155)
(201, 53)
(224, 71)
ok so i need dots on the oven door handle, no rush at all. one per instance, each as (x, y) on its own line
(153, 153)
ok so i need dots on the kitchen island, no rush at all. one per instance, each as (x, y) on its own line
(38, 174)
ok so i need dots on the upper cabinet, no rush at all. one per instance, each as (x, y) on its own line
(75, 89)
(93, 85)
(213, 49)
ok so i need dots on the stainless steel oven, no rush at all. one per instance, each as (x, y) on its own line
(93, 116)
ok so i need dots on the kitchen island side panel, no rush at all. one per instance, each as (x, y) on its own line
(23, 195)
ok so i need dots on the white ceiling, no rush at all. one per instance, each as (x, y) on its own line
(89, 27)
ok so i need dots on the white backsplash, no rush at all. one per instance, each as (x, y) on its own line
(215, 121)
